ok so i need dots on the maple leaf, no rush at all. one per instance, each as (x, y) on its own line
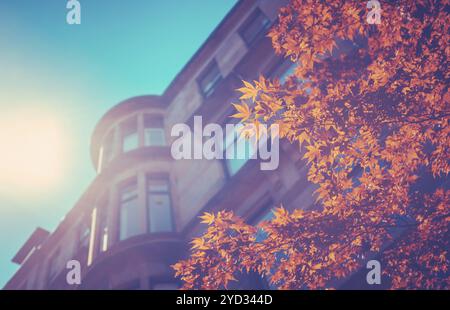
(357, 241)
(199, 244)
(316, 266)
(244, 111)
(207, 218)
(249, 91)
(303, 137)
(312, 153)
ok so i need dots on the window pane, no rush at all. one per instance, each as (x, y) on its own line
(130, 142)
(129, 213)
(255, 27)
(130, 138)
(154, 130)
(241, 149)
(261, 234)
(85, 232)
(129, 219)
(53, 265)
(102, 230)
(287, 73)
(129, 192)
(210, 79)
(160, 215)
(154, 137)
(158, 187)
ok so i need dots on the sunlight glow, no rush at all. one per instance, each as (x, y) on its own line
(33, 152)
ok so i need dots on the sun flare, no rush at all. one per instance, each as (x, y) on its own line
(33, 152)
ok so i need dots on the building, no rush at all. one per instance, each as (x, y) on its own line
(140, 212)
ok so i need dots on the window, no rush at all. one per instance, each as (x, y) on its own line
(84, 234)
(159, 209)
(238, 151)
(209, 79)
(283, 70)
(287, 73)
(108, 148)
(53, 266)
(129, 211)
(106, 152)
(254, 27)
(130, 140)
(154, 131)
(102, 228)
(266, 216)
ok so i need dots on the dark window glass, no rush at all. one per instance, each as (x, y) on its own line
(267, 216)
(284, 70)
(129, 212)
(254, 27)
(159, 207)
(209, 79)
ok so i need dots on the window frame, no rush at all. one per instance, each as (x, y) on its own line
(283, 69)
(159, 126)
(84, 232)
(252, 17)
(159, 178)
(131, 122)
(225, 160)
(202, 76)
(102, 225)
(121, 201)
(52, 263)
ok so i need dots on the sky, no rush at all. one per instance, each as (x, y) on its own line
(56, 82)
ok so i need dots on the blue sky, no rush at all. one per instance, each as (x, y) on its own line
(62, 78)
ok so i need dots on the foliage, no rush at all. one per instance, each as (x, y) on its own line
(373, 123)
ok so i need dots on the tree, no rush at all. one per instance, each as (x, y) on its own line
(373, 124)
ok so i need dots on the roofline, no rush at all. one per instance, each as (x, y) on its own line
(167, 94)
(34, 240)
